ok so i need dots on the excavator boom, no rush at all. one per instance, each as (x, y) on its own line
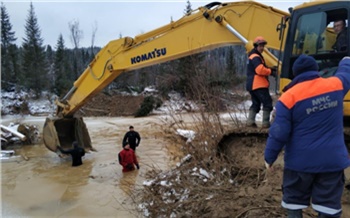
(204, 29)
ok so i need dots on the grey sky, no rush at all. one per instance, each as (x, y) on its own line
(112, 17)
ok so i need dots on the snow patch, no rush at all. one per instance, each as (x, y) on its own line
(16, 102)
(188, 134)
(148, 182)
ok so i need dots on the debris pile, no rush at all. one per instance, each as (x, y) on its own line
(19, 134)
(208, 183)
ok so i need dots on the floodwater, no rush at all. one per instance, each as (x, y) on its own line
(47, 185)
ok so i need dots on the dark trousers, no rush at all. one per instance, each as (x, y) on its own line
(261, 96)
(133, 146)
(324, 190)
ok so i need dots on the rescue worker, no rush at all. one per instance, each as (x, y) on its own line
(309, 126)
(132, 137)
(258, 84)
(127, 158)
(76, 152)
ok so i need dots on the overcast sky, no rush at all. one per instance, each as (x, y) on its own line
(112, 18)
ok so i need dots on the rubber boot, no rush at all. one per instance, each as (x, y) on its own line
(294, 213)
(266, 119)
(251, 119)
(322, 215)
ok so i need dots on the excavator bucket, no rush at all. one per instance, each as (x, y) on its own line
(64, 131)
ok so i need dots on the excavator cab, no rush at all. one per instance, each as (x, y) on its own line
(312, 33)
(64, 131)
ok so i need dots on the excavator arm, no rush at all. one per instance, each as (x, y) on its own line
(211, 26)
(206, 28)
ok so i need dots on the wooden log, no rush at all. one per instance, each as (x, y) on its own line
(14, 132)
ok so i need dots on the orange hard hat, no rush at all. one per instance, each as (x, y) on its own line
(259, 40)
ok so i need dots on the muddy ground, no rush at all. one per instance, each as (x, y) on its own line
(46, 185)
(111, 105)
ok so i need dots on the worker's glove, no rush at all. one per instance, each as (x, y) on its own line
(273, 71)
(268, 166)
(138, 166)
(59, 152)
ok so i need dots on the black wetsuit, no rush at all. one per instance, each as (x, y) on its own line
(133, 138)
(77, 153)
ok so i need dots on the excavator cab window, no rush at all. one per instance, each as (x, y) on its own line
(310, 27)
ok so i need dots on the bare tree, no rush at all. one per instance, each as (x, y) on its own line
(93, 35)
(76, 33)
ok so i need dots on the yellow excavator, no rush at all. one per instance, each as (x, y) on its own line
(305, 29)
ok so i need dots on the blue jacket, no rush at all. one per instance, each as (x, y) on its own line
(257, 72)
(309, 123)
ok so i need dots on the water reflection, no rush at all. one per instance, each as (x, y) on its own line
(43, 183)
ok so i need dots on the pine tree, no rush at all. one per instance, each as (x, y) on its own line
(61, 80)
(85, 57)
(231, 65)
(9, 53)
(50, 53)
(188, 66)
(34, 62)
(188, 8)
(50, 57)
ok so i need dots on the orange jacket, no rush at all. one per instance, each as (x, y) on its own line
(257, 72)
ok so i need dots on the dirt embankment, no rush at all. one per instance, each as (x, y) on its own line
(233, 183)
(111, 105)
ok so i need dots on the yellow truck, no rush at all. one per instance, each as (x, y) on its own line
(305, 29)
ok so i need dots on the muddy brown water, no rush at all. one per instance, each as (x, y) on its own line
(47, 185)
